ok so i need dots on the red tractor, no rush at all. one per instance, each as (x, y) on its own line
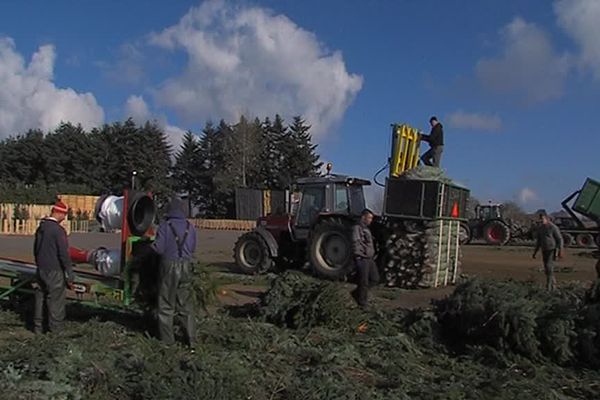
(322, 211)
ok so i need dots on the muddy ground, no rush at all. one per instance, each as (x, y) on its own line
(215, 250)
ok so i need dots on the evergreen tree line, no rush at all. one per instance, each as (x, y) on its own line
(268, 154)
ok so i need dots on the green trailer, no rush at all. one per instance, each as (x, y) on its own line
(587, 203)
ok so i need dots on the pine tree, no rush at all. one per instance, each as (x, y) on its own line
(283, 153)
(68, 156)
(270, 157)
(304, 159)
(213, 200)
(186, 170)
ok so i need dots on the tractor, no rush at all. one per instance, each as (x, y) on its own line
(316, 230)
(488, 224)
(322, 211)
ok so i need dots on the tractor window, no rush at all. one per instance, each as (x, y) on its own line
(311, 204)
(341, 199)
(357, 200)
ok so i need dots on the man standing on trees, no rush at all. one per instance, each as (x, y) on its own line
(550, 241)
(363, 251)
(433, 156)
(54, 269)
(175, 244)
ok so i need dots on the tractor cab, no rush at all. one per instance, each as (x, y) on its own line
(321, 197)
(488, 212)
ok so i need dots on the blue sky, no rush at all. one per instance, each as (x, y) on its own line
(516, 84)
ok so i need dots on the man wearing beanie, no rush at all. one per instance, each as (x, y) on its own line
(54, 269)
(175, 243)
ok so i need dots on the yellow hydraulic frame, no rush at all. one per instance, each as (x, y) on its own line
(406, 142)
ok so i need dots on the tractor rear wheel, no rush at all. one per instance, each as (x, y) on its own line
(585, 240)
(252, 254)
(464, 234)
(496, 233)
(330, 249)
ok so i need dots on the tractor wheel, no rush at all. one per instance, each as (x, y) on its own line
(464, 234)
(252, 254)
(330, 249)
(585, 240)
(568, 239)
(496, 233)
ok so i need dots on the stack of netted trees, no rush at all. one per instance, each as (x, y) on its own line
(422, 253)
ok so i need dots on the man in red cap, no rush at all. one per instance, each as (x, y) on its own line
(54, 272)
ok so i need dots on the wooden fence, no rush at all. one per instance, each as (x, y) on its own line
(28, 226)
(224, 224)
(23, 219)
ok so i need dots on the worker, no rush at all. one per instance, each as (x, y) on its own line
(363, 251)
(550, 241)
(433, 156)
(54, 270)
(175, 244)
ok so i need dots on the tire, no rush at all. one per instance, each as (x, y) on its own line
(465, 234)
(496, 233)
(585, 240)
(330, 249)
(252, 254)
(597, 239)
(568, 239)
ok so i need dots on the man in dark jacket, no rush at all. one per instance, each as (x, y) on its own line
(433, 156)
(363, 251)
(54, 269)
(175, 243)
(550, 241)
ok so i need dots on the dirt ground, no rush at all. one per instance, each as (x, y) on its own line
(215, 249)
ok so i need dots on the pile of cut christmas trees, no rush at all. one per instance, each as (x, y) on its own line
(304, 340)
(423, 253)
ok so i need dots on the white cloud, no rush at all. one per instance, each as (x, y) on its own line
(128, 67)
(474, 121)
(527, 196)
(528, 65)
(248, 60)
(137, 109)
(579, 18)
(29, 99)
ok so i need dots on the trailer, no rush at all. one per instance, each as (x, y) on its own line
(587, 203)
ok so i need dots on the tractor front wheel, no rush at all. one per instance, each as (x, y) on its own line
(330, 249)
(252, 254)
(496, 233)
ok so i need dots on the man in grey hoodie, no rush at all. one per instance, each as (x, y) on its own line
(54, 269)
(175, 244)
(550, 241)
